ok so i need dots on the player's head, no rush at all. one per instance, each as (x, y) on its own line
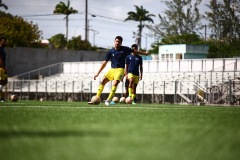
(135, 47)
(3, 41)
(118, 42)
(119, 38)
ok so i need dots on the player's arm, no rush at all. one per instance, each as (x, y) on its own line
(141, 72)
(100, 69)
(126, 70)
(141, 68)
(126, 65)
(141, 52)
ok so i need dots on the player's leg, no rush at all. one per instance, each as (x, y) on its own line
(1, 93)
(102, 85)
(130, 86)
(134, 88)
(118, 75)
(100, 88)
(107, 77)
(3, 82)
(112, 92)
(126, 88)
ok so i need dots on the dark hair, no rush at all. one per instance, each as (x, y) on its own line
(3, 38)
(119, 38)
(134, 45)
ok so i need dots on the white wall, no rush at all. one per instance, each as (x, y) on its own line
(172, 49)
(181, 49)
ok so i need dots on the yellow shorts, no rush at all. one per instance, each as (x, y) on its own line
(3, 76)
(115, 74)
(134, 77)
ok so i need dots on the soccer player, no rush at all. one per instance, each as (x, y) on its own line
(3, 71)
(117, 55)
(133, 66)
(126, 84)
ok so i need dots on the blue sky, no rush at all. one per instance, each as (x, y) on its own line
(107, 24)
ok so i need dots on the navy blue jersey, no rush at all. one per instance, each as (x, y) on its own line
(118, 57)
(133, 62)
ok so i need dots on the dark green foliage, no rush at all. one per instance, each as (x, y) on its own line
(19, 32)
(76, 43)
(223, 19)
(180, 17)
(178, 39)
(58, 41)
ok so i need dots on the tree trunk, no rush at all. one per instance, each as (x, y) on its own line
(140, 38)
(67, 28)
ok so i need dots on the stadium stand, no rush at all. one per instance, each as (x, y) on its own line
(205, 80)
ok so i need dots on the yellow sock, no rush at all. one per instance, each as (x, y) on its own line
(111, 94)
(133, 96)
(130, 92)
(100, 89)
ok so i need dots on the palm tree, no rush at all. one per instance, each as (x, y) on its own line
(3, 5)
(140, 16)
(62, 8)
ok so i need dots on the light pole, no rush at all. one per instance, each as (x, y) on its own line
(86, 20)
(94, 34)
(135, 35)
(146, 40)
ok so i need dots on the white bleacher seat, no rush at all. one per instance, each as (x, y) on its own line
(78, 76)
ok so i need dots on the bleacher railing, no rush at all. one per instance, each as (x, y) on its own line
(147, 92)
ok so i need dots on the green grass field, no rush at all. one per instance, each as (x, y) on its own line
(32, 130)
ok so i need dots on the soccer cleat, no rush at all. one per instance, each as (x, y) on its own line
(107, 102)
(112, 103)
(133, 103)
(2, 100)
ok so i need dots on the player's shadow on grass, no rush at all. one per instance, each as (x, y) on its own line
(52, 134)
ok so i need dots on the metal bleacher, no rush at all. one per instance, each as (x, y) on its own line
(182, 77)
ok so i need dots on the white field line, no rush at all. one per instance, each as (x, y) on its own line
(110, 107)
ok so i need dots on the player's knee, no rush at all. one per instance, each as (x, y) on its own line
(116, 82)
(104, 81)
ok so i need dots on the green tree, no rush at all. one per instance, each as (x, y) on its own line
(58, 41)
(223, 18)
(140, 16)
(3, 5)
(182, 39)
(19, 32)
(180, 17)
(65, 9)
(177, 39)
(76, 43)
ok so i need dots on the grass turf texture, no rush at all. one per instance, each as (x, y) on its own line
(60, 130)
